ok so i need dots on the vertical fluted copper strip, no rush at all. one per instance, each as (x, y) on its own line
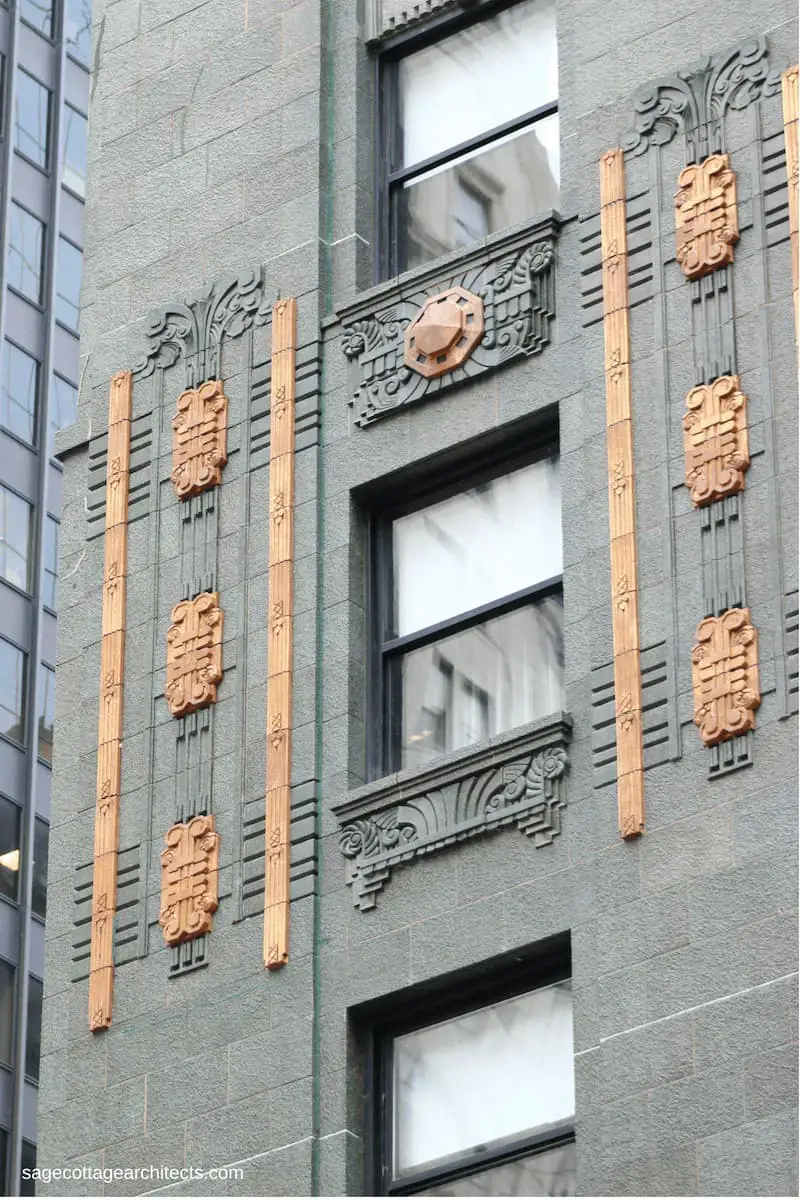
(621, 497)
(109, 738)
(279, 672)
(789, 82)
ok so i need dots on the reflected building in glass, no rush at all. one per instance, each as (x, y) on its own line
(44, 70)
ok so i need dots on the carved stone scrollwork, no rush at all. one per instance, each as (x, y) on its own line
(715, 440)
(194, 654)
(706, 220)
(189, 880)
(697, 99)
(523, 785)
(725, 676)
(516, 291)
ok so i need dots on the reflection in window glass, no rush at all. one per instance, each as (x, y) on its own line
(69, 271)
(3, 1160)
(12, 691)
(78, 29)
(25, 253)
(9, 848)
(549, 1173)
(33, 1038)
(32, 118)
(63, 404)
(73, 151)
(6, 1010)
(16, 528)
(39, 14)
(47, 686)
(19, 380)
(27, 1185)
(50, 563)
(41, 841)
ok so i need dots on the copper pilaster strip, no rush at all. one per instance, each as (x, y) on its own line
(277, 842)
(621, 496)
(791, 111)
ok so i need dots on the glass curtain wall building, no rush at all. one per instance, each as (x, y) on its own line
(44, 93)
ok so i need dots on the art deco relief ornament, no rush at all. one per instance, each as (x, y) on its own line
(715, 440)
(199, 439)
(189, 880)
(194, 654)
(444, 332)
(725, 676)
(705, 216)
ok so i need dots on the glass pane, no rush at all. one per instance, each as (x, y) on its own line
(551, 1173)
(9, 848)
(68, 283)
(47, 684)
(50, 563)
(32, 105)
(474, 1082)
(78, 29)
(6, 1010)
(477, 547)
(73, 151)
(20, 379)
(16, 520)
(41, 842)
(25, 252)
(449, 92)
(509, 181)
(63, 404)
(27, 1187)
(12, 691)
(39, 14)
(33, 1040)
(473, 685)
(3, 1160)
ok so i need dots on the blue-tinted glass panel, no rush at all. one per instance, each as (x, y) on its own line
(39, 14)
(25, 253)
(63, 405)
(78, 30)
(12, 691)
(16, 527)
(73, 150)
(69, 271)
(19, 389)
(32, 118)
(47, 688)
(50, 563)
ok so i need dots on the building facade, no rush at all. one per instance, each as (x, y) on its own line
(44, 61)
(425, 789)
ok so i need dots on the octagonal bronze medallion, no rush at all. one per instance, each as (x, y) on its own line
(444, 332)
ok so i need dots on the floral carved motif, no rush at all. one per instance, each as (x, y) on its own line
(444, 333)
(189, 880)
(715, 440)
(194, 654)
(199, 439)
(705, 216)
(725, 676)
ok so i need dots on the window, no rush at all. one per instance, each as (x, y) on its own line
(39, 14)
(73, 151)
(479, 1100)
(47, 685)
(50, 563)
(12, 691)
(69, 271)
(27, 1186)
(16, 530)
(9, 849)
(63, 404)
(470, 592)
(78, 29)
(470, 131)
(6, 1010)
(33, 1039)
(3, 1159)
(41, 842)
(32, 119)
(25, 253)
(20, 390)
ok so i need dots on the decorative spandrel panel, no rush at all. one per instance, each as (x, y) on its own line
(705, 216)
(189, 880)
(199, 439)
(194, 654)
(725, 676)
(715, 440)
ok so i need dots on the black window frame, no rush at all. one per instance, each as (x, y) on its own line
(48, 157)
(390, 176)
(38, 301)
(385, 699)
(466, 991)
(59, 296)
(33, 443)
(26, 590)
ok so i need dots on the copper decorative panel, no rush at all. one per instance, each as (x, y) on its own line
(715, 440)
(199, 439)
(279, 617)
(791, 108)
(725, 676)
(189, 880)
(705, 216)
(444, 332)
(109, 736)
(194, 654)
(621, 496)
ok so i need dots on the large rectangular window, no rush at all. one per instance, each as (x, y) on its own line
(470, 131)
(47, 704)
(471, 610)
(25, 264)
(32, 119)
(7, 974)
(16, 531)
(73, 151)
(9, 848)
(69, 272)
(33, 1040)
(19, 392)
(12, 691)
(50, 563)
